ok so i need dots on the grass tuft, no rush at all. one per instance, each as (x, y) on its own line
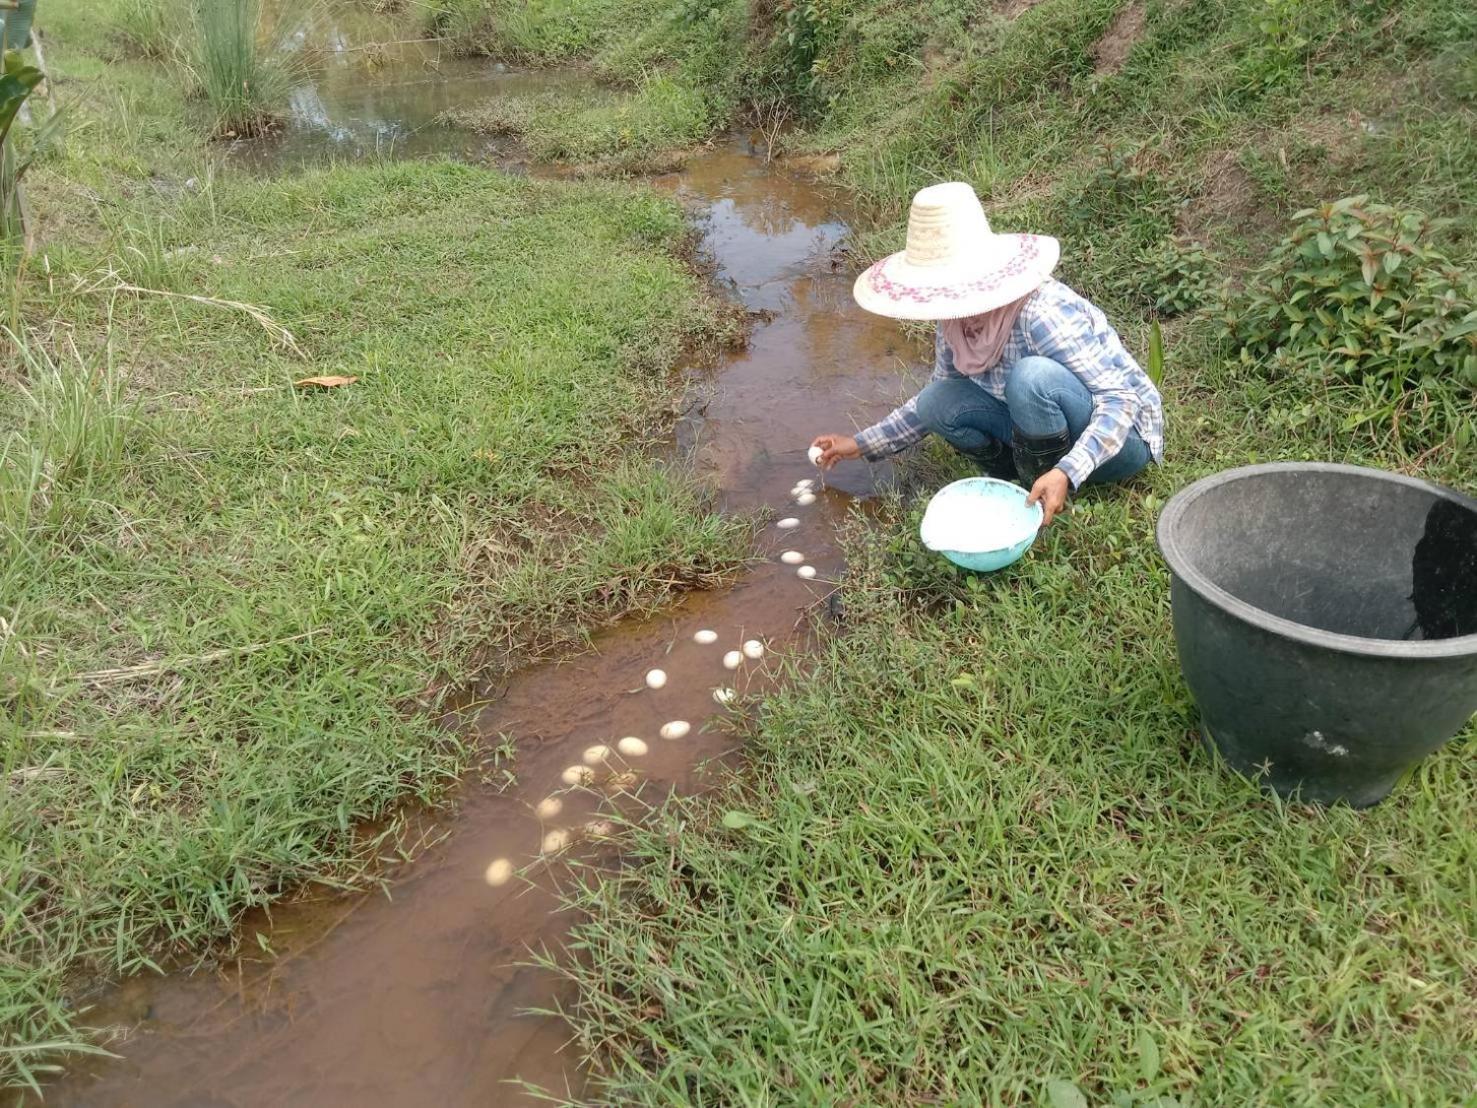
(244, 74)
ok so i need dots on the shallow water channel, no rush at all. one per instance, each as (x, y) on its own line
(422, 996)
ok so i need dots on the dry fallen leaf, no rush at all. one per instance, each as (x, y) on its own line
(325, 382)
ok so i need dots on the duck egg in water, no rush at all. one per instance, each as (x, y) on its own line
(676, 729)
(805, 499)
(551, 806)
(792, 557)
(600, 829)
(807, 485)
(705, 637)
(577, 775)
(732, 660)
(631, 746)
(596, 754)
(754, 649)
(556, 840)
(725, 696)
(806, 571)
(656, 678)
(498, 872)
(789, 523)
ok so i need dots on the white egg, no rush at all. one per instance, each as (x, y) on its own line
(724, 696)
(596, 754)
(676, 729)
(600, 829)
(631, 746)
(550, 806)
(788, 523)
(732, 660)
(656, 678)
(805, 499)
(806, 571)
(792, 557)
(753, 649)
(556, 840)
(814, 454)
(705, 637)
(805, 485)
(498, 871)
(577, 775)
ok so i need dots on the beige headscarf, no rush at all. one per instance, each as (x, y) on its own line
(978, 340)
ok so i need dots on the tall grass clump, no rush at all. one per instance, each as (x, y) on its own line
(243, 72)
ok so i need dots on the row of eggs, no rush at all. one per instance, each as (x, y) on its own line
(500, 871)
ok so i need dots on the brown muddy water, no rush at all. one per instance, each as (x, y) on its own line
(423, 994)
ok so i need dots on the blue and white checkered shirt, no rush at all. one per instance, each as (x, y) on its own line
(1059, 324)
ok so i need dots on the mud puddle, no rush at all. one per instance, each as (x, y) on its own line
(422, 996)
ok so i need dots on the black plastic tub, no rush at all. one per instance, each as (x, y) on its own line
(1326, 619)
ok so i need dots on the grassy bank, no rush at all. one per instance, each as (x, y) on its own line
(978, 854)
(230, 603)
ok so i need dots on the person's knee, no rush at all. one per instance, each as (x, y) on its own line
(1032, 378)
(938, 404)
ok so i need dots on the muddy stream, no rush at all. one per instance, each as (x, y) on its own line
(422, 995)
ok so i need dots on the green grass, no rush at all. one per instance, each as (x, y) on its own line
(977, 853)
(626, 131)
(977, 848)
(232, 606)
(680, 66)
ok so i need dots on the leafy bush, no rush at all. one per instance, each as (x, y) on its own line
(1377, 326)
(1178, 276)
(1360, 291)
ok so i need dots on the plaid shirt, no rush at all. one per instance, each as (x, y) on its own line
(1059, 324)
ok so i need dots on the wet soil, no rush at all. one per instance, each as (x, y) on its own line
(422, 995)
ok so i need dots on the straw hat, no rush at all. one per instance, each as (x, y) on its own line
(954, 266)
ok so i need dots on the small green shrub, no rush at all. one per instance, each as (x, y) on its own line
(1368, 321)
(1359, 290)
(1123, 189)
(1178, 276)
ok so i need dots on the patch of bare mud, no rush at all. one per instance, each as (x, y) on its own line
(1123, 34)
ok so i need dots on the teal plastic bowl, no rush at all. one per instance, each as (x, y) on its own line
(990, 515)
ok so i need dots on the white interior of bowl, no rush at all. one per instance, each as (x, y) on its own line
(967, 522)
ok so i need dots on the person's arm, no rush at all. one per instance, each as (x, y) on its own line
(1067, 334)
(901, 428)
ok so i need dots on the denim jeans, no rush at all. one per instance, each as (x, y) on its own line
(1042, 398)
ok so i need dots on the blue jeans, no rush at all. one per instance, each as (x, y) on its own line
(1042, 398)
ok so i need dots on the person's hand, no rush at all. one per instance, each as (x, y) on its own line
(1050, 490)
(836, 448)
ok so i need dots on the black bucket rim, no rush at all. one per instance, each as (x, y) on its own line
(1183, 568)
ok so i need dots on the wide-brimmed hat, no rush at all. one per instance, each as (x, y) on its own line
(954, 265)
